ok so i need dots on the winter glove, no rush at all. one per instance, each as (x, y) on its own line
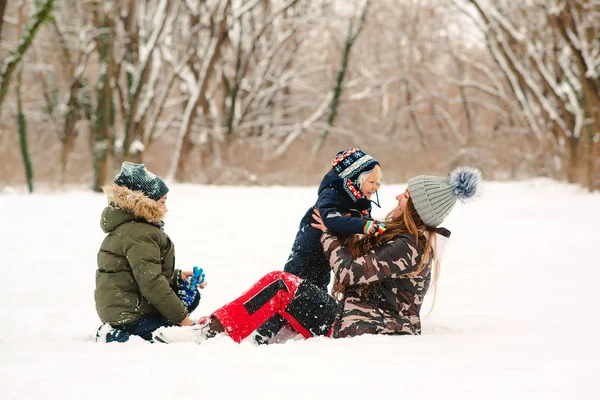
(189, 288)
(374, 228)
(198, 277)
(380, 229)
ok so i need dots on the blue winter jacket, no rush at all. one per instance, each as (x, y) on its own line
(336, 199)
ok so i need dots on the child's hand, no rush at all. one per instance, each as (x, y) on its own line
(201, 276)
(374, 228)
(380, 229)
(185, 275)
(187, 322)
(188, 291)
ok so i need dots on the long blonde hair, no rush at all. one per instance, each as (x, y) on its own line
(409, 221)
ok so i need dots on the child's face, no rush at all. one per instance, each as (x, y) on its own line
(371, 184)
(162, 203)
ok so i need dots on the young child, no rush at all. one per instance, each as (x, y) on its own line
(344, 203)
(138, 289)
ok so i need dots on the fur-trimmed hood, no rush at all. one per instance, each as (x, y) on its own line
(132, 202)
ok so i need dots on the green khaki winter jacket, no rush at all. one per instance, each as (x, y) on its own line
(136, 274)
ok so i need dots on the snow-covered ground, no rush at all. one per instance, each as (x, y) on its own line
(516, 314)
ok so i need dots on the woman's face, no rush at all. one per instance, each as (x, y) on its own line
(402, 200)
(371, 184)
(162, 203)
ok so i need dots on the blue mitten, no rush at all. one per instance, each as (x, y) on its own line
(189, 288)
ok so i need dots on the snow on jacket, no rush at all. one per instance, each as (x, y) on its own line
(136, 263)
(336, 197)
(381, 294)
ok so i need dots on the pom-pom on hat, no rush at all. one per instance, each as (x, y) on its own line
(435, 196)
(351, 163)
(137, 177)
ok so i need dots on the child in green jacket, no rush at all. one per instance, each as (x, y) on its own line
(138, 289)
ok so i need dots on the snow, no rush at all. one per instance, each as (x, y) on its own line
(515, 315)
(136, 147)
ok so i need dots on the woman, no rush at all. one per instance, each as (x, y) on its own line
(138, 288)
(380, 280)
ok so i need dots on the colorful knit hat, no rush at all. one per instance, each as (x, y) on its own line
(435, 196)
(351, 163)
(137, 177)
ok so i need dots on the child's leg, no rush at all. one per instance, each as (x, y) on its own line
(269, 329)
(145, 326)
(106, 333)
(309, 310)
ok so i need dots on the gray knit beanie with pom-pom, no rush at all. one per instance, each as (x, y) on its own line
(435, 196)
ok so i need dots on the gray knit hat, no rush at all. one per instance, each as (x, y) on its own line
(435, 196)
(137, 177)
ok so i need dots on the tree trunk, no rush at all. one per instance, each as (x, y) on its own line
(596, 166)
(101, 134)
(574, 164)
(68, 138)
(67, 148)
(104, 113)
(337, 90)
(11, 62)
(23, 137)
(2, 9)
(414, 118)
(591, 158)
(186, 149)
(198, 98)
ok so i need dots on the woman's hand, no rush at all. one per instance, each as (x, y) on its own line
(319, 224)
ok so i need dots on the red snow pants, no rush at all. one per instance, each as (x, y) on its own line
(308, 309)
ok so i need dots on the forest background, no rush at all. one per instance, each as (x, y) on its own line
(265, 92)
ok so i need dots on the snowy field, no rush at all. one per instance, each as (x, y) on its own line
(516, 315)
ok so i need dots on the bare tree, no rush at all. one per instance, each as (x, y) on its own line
(66, 87)
(228, 89)
(217, 32)
(142, 70)
(239, 86)
(130, 92)
(549, 54)
(11, 62)
(270, 79)
(2, 10)
(22, 122)
(337, 90)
